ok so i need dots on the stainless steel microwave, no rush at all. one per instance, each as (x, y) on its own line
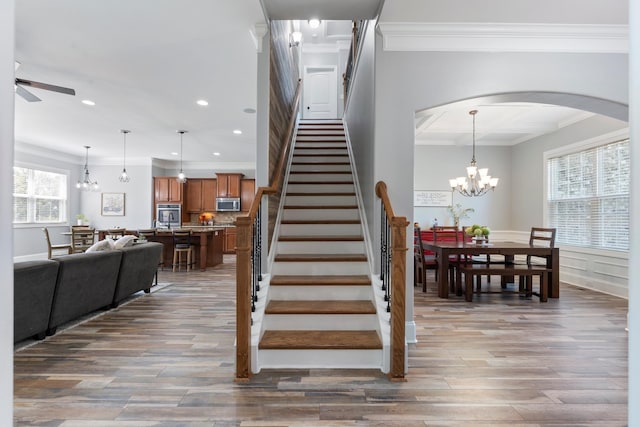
(228, 204)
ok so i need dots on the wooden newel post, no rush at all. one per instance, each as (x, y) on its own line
(244, 246)
(398, 297)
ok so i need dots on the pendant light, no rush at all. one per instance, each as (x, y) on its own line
(478, 181)
(87, 184)
(181, 176)
(123, 176)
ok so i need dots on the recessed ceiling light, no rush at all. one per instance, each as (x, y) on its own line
(237, 132)
(202, 102)
(88, 102)
(249, 110)
(173, 153)
(314, 22)
(216, 154)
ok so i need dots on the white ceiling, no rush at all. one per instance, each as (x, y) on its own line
(146, 62)
(496, 123)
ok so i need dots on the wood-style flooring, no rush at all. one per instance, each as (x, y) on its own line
(166, 359)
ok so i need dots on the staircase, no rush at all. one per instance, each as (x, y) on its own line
(320, 309)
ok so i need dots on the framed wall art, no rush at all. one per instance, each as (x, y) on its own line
(112, 204)
(436, 198)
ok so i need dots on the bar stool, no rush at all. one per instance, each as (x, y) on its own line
(182, 245)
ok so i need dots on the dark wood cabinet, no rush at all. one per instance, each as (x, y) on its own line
(228, 184)
(209, 191)
(200, 195)
(230, 240)
(247, 193)
(167, 190)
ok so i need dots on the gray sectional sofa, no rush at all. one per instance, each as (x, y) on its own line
(71, 286)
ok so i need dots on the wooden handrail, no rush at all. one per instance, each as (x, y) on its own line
(244, 248)
(398, 280)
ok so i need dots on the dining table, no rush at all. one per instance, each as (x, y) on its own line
(444, 251)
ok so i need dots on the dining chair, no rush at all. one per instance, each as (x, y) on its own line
(50, 248)
(82, 238)
(426, 260)
(449, 233)
(182, 246)
(539, 236)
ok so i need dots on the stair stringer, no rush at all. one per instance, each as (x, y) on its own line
(318, 358)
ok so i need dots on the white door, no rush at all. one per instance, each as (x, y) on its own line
(320, 93)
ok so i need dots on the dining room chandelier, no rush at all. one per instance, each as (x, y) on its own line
(87, 184)
(124, 177)
(478, 181)
(182, 178)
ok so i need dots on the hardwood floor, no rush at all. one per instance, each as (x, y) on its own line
(166, 359)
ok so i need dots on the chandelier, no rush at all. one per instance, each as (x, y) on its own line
(87, 184)
(123, 175)
(182, 178)
(478, 181)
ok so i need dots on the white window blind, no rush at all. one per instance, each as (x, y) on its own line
(588, 196)
(39, 196)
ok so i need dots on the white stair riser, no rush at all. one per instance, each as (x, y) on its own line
(329, 137)
(319, 159)
(334, 132)
(327, 178)
(336, 145)
(331, 200)
(310, 322)
(320, 229)
(321, 214)
(320, 268)
(309, 167)
(320, 187)
(322, 152)
(308, 359)
(321, 247)
(310, 292)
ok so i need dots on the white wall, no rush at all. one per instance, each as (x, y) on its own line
(7, 97)
(434, 165)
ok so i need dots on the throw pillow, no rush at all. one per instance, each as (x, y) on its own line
(100, 246)
(124, 241)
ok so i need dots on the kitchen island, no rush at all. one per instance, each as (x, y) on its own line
(207, 241)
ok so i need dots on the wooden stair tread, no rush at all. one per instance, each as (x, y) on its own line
(320, 307)
(323, 238)
(320, 257)
(324, 155)
(320, 340)
(327, 280)
(321, 182)
(320, 163)
(320, 172)
(321, 194)
(320, 221)
(320, 207)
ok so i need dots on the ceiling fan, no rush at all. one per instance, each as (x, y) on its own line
(20, 90)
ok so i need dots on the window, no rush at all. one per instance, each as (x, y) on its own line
(588, 196)
(39, 196)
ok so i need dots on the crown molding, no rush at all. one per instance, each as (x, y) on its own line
(495, 37)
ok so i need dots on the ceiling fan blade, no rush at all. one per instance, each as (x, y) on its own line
(45, 86)
(26, 94)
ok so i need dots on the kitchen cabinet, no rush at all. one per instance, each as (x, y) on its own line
(247, 193)
(230, 240)
(200, 195)
(167, 189)
(228, 184)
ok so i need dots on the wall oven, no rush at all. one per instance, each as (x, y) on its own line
(228, 204)
(168, 215)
